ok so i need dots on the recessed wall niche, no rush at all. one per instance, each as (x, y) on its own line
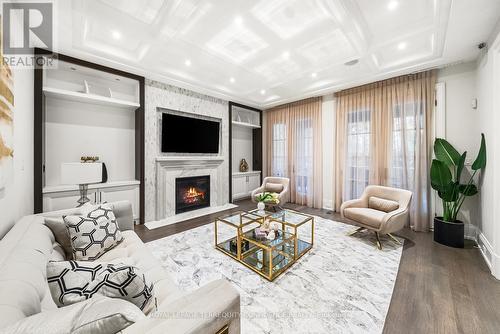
(85, 109)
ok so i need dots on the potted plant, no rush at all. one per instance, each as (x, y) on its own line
(446, 179)
(266, 197)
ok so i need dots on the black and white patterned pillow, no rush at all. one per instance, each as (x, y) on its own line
(74, 281)
(94, 233)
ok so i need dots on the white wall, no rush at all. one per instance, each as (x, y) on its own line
(242, 147)
(328, 132)
(16, 199)
(462, 126)
(488, 86)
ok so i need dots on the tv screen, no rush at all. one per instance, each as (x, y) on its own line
(189, 135)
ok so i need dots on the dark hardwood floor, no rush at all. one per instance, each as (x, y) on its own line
(438, 289)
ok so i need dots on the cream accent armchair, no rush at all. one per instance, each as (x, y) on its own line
(383, 210)
(273, 184)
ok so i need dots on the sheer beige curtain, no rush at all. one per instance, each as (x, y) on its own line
(294, 149)
(384, 136)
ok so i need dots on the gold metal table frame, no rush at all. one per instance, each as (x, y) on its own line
(268, 258)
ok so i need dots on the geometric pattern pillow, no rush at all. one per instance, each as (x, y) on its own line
(74, 281)
(93, 234)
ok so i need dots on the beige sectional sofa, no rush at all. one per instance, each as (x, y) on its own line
(29, 245)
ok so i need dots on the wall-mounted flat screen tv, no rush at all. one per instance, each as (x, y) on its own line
(189, 135)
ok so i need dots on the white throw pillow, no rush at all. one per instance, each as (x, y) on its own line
(97, 315)
(93, 233)
(74, 281)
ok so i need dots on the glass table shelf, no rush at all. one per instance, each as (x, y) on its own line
(268, 258)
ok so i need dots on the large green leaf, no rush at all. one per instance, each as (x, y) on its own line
(480, 161)
(440, 176)
(469, 190)
(445, 152)
(460, 166)
(451, 192)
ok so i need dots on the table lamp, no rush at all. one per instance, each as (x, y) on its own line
(82, 174)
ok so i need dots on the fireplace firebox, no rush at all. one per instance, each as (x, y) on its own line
(192, 193)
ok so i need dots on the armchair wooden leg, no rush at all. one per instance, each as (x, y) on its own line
(359, 229)
(379, 244)
(394, 239)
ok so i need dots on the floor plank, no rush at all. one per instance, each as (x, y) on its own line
(438, 289)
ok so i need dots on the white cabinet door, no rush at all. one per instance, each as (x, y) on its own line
(239, 187)
(125, 193)
(65, 200)
(253, 183)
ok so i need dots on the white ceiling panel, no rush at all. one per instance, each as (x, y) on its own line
(267, 52)
(283, 16)
(236, 43)
(415, 49)
(182, 15)
(331, 49)
(145, 10)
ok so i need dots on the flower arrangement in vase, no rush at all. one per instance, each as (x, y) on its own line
(267, 198)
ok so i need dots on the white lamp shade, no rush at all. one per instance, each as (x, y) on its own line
(81, 173)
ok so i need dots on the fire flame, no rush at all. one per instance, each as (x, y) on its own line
(192, 195)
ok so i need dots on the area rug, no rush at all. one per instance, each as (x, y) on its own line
(343, 285)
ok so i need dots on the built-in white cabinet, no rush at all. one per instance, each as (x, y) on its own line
(65, 197)
(245, 183)
(84, 109)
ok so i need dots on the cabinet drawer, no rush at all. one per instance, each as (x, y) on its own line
(239, 187)
(129, 193)
(65, 200)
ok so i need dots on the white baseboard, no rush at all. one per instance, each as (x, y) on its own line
(490, 257)
(486, 249)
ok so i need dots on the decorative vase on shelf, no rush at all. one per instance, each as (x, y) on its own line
(243, 166)
(261, 206)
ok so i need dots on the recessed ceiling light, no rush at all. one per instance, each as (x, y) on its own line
(402, 46)
(262, 91)
(286, 55)
(314, 74)
(231, 80)
(392, 5)
(187, 62)
(116, 34)
(238, 20)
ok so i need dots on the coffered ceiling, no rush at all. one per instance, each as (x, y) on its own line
(268, 52)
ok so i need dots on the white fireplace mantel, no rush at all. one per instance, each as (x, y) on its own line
(168, 168)
(188, 161)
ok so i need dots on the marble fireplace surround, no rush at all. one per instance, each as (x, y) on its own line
(170, 168)
(161, 97)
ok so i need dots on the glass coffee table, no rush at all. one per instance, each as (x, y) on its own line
(268, 258)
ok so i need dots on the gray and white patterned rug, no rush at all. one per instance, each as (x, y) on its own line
(343, 285)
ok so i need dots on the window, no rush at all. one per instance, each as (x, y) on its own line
(357, 169)
(279, 150)
(304, 155)
(406, 120)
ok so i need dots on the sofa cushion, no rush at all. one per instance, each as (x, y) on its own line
(93, 233)
(97, 315)
(274, 187)
(61, 234)
(382, 204)
(140, 256)
(366, 216)
(74, 281)
(24, 251)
